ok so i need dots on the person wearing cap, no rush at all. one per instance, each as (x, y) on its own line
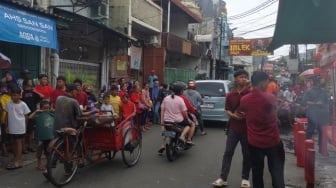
(151, 78)
(67, 109)
(43, 89)
(60, 90)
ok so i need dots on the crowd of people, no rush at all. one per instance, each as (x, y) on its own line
(28, 111)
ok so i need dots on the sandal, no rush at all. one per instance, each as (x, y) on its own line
(12, 166)
(189, 142)
(245, 183)
(161, 150)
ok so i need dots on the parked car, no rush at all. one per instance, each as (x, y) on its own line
(213, 93)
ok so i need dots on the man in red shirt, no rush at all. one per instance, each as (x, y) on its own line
(237, 131)
(59, 90)
(81, 97)
(260, 111)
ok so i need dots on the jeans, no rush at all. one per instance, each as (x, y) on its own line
(156, 113)
(316, 120)
(276, 161)
(232, 140)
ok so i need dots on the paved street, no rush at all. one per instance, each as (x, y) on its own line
(195, 168)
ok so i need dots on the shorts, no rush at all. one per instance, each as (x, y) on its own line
(44, 145)
(184, 123)
(16, 136)
(30, 126)
(4, 135)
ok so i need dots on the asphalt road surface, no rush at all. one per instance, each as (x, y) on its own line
(195, 168)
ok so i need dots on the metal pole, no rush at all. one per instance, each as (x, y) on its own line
(168, 19)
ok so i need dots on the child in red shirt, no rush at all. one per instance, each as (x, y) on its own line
(127, 107)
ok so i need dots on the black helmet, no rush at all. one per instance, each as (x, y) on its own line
(178, 87)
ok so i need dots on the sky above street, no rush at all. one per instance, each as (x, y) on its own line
(255, 19)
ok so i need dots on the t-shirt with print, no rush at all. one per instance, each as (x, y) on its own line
(16, 117)
(44, 125)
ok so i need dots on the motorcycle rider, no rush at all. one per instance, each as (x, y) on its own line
(173, 109)
(196, 100)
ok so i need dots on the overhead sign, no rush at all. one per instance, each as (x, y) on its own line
(23, 27)
(249, 47)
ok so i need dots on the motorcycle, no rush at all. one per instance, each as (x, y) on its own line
(173, 144)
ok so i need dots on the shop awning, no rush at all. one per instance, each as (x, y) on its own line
(25, 27)
(305, 22)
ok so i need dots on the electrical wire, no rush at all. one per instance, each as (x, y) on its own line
(258, 29)
(254, 19)
(253, 10)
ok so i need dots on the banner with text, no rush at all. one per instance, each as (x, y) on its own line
(23, 27)
(249, 47)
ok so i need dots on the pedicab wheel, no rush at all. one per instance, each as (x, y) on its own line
(59, 170)
(109, 155)
(171, 150)
(131, 149)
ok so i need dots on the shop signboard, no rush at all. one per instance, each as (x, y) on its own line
(19, 26)
(249, 47)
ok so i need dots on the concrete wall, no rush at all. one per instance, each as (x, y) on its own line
(182, 62)
(84, 12)
(148, 12)
(179, 25)
(119, 15)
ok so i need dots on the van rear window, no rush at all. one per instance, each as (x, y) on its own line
(211, 89)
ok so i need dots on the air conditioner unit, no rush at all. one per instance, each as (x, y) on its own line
(153, 40)
(100, 10)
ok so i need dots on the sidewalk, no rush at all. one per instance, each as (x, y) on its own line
(325, 167)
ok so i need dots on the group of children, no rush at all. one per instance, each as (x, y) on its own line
(23, 113)
(19, 116)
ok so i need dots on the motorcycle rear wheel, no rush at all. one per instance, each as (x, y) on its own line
(171, 150)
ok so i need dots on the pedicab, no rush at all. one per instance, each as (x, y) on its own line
(98, 137)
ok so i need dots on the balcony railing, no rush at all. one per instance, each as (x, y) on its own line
(176, 44)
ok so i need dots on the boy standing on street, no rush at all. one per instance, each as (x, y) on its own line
(237, 131)
(17, 111)
(44, 120)
(260, 111)
(31, 99)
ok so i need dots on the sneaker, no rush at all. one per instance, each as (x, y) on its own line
(219, 183)
(245, 183)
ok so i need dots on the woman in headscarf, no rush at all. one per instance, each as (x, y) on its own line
(10, 78)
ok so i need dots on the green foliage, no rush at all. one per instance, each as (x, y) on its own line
(86, 77)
